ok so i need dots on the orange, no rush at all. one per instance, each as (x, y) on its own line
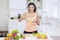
(6, 38)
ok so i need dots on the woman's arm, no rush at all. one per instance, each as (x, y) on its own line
(37, 20)
(22, 17)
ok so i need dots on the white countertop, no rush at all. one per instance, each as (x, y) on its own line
(30, 38)
(33, 38)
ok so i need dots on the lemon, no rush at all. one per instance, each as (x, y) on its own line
(9, 35)
(36, 35)
(43, 35)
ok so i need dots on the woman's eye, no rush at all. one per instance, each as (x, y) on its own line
(32, 7)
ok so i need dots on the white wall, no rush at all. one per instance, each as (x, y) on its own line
(3, 15)
(59, 9)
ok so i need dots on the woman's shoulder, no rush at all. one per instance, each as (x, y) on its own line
(36, 13)
(25, 13)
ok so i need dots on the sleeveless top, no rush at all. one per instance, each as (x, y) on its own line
(30, 24)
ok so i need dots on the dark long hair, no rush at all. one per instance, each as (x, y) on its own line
(33, 5)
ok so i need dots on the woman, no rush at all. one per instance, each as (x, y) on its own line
(32, 19)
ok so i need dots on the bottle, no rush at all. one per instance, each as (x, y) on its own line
(19, 16)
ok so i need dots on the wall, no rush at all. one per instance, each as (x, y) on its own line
(3, 15)
(58, 9)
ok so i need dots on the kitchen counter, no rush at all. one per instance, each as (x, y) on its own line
(31, 38)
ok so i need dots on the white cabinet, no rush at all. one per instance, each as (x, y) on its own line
(17, 4)
(49, 8)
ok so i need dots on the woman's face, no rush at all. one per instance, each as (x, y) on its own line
(31, 8)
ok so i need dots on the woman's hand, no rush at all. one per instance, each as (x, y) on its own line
(37, 20)
(22, 17)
